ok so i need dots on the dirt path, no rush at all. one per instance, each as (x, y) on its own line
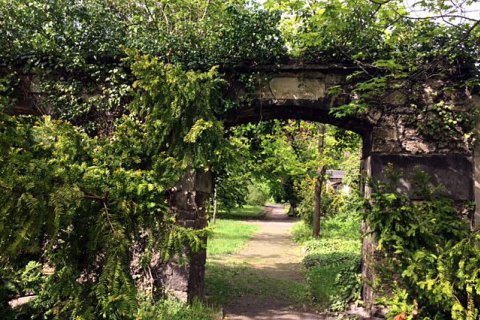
(271, 255)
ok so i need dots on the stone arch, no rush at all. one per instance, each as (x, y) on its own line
(389, 131)
(300, 91)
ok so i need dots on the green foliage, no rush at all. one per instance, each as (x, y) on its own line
(232, 176)
(170, 309)
(79, 203)
(330, 202)
(242, 213)
(258, 194)
(382, 35)
(442, 119)
(394, 50)
(178, 110)
(85, 34)
(335, 30)
(333, 260)
(432, 246)
(232, 190)
(79, 188)
(71, 52)
(26, 281)
(284, 154)
(279, 152)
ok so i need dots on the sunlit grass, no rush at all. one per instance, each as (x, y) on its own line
(245, 212)
(229, 236)
(333, 260)
(224, 283)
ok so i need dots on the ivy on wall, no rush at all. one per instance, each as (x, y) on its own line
(126, 96)
(429, 259)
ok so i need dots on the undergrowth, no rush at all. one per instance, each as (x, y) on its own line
(164, 309)
(171, 309)
(333, 260)
(429, 258)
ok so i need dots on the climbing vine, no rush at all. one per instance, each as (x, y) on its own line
(427, 60)
(429, 259)
(123, 98)
(105, 103)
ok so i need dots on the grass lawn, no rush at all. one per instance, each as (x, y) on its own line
(227, 282)
(229, 236)
(245, 212)
(333, 260)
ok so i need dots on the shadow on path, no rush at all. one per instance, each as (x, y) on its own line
(266, 279)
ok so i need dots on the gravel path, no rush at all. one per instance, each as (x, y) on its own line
(270, 253)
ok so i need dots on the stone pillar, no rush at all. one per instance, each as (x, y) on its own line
(185, 280)
(396, 140)
(475, 222)
(368, 241)
(453, 172)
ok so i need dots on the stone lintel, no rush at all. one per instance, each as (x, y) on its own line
(293, 88)
(452, 171)
(299, 66)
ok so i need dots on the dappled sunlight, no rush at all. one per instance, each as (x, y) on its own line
(271, 277)
(266, 278)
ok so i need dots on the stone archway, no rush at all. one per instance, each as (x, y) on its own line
(390, 133)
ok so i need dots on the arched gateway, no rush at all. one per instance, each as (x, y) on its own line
(394, 131)
(398, 129)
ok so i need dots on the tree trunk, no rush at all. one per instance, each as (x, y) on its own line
(319, 184)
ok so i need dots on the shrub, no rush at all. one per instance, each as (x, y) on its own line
(436, 257)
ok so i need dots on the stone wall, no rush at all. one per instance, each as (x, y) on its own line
(475, 222)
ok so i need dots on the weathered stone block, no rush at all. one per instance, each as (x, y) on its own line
(334, 79)
(415, 147)
(453, 172)
(396, 98)
(297, 88)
